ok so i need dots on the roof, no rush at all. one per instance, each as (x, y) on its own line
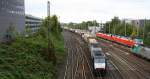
(98, 53)
(31, 16)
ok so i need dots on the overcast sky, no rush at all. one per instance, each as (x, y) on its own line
(83, 10)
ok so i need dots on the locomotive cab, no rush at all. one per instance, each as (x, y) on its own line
(99, 62)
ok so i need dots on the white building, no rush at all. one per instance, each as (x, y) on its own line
(33, 23)
(94, 29)
(129, 21)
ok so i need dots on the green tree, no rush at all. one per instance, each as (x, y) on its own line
(147, 28)
(89, 23)
(11, 33)
(83, 24)
(50, 25)
(95, 23)
(114, 23)
(54, 24)
(116, 26)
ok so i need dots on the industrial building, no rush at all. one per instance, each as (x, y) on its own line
(12, 15)
(138, 23)
(33, 23)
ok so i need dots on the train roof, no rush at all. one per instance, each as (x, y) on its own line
(98, 53)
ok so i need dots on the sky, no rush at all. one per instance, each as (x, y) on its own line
(84, 10)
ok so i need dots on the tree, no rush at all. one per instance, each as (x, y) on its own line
(115, 22)
(147, 28)
(50, 25)
(89, 23)
(54, 24)
(116, 26)
(11, 33)
(28, 31)
(83, 24)
(95, 23)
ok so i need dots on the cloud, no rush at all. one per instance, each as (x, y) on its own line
(82, 10)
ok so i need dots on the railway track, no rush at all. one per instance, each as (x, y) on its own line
(130, 66)
(82, 66)
(87, 69)
(77, 67)
(124, 64)
(87, 55)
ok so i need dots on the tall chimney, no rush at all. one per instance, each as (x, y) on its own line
(48, 8)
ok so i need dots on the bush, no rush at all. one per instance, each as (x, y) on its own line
(24, 59)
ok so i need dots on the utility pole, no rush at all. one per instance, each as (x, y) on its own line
(48, 27)
(48, 17)
(109, 28)
(144, 29)
(48, 8)
(50, 48)
(137, 28)
(114, 28)
(125, 29)
(105, 28)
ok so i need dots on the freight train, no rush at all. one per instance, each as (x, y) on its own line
(134, 44)
(141, 51)
(120, 39)
(98, 58)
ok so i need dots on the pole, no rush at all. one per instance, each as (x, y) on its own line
(48, 8)
(114, 28)
(48, 15)
(144, 29)
(95, 30)
(125, 29)
(137, 29)
(109, 28)
(48, 29)
(50, 45)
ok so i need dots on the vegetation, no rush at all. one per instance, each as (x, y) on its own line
(119, 27)
(147, 33)
(36, 56)
(116, 26)
(83, 25)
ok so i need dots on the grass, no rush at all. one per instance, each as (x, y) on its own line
(23, 59)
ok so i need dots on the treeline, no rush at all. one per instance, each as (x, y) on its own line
(116, 26)
(119, 27)
(83, 25)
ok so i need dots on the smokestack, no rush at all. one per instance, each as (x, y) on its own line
(48, 8)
